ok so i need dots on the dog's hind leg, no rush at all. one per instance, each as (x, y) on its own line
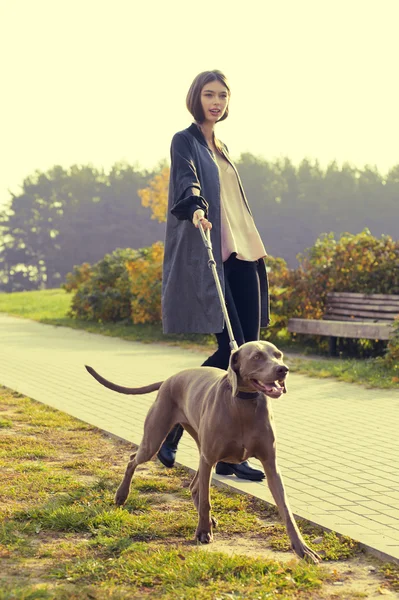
(204, 527)
(156, 427)
(124, 488)
(194, 484)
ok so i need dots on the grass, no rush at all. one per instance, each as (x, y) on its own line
(370, 372)
(37, 305)
(51, 307)
(61, 536)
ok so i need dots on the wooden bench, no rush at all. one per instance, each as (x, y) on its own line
(350, 315)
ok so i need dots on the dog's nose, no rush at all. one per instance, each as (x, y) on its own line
(281, 371)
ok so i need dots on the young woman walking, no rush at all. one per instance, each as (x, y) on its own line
(206, 188)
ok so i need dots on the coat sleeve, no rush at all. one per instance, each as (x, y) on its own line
(185, 188)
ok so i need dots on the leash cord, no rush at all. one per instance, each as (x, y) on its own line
(206, 238)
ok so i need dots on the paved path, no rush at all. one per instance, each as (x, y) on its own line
(338, 443)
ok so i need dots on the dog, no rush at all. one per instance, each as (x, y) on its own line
(230, 418)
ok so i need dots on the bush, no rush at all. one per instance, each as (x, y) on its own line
(280, 285)
(103, 292)
(354, 263)
(79, 275)
(146, 277)
(126, 285)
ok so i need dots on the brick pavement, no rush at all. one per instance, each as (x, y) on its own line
(338, 444)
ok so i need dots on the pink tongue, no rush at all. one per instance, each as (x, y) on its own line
(269, 388)
(273, 388)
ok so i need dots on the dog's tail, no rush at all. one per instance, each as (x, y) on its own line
(153, 387)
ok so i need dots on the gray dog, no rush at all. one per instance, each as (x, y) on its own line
(230, 418)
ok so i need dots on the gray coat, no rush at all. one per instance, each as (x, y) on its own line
(190, 303)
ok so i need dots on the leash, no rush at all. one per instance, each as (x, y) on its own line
(206, 238)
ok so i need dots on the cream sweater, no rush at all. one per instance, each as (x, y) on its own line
(238, 229)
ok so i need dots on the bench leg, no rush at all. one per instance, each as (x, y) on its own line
(332, 346)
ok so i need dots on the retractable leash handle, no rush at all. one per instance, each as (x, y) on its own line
(206, 238)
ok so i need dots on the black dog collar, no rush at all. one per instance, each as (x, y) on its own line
(247, 395)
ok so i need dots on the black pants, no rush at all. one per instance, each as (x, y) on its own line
(242, 295)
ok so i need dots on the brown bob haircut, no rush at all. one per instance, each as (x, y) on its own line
(193, 101)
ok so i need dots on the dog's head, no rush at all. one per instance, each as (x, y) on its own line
(258, 366)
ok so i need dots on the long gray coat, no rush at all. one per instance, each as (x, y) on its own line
(190, 303)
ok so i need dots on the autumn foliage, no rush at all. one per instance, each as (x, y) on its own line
(146, 272)
(146, 281)
(155, 196)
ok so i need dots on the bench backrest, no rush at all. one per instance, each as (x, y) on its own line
(346, 306)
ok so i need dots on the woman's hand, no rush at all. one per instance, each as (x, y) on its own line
(199, 217)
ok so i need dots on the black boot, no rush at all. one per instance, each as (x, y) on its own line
(243, 471)
(167, 452)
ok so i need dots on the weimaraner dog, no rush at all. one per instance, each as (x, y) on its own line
(230, 418)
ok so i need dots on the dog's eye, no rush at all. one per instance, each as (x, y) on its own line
(257, 356)
(278, 354)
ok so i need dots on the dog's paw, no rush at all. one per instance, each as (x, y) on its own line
(204, 537)
(305, 552)
(214, 522)
(120, 497)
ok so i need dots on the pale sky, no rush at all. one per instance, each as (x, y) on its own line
(98, 81)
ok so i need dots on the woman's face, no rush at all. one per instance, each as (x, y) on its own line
(214, 100)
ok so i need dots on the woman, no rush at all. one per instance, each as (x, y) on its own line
(205, 188)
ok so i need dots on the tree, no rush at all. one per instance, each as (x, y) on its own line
(155, 196)
(65, 217)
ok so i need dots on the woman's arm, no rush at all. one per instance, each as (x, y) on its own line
(185, 188)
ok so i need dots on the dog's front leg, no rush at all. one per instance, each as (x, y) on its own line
(278, 492)
(204, 528)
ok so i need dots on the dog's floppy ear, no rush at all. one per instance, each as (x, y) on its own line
(232, 371)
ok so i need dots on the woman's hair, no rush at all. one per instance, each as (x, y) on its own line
(193, 100)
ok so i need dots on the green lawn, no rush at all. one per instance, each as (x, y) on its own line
(51, 306)
(39, 306)
(370, 372)
(62, 537)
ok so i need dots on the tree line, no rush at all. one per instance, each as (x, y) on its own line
(65, 217)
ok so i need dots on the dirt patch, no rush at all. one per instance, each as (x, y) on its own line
(246, 545)
(350, 578)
